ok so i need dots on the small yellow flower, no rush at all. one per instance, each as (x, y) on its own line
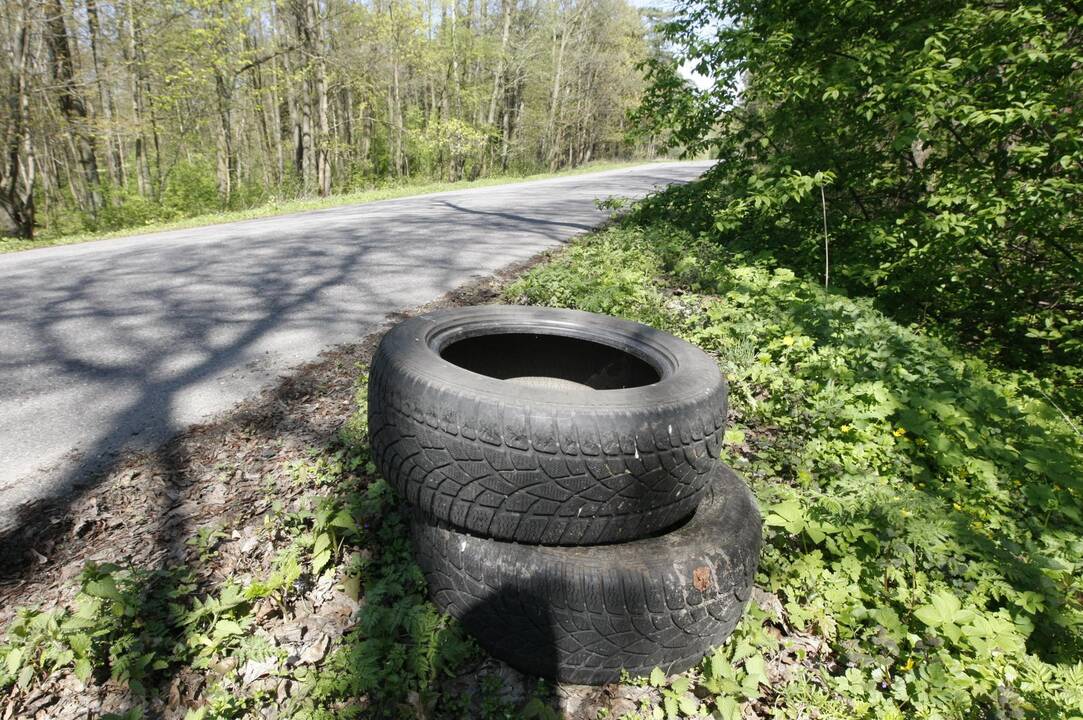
(957, 506)
(845, 428)
(909, 664)
(899, 432)
(787, 341)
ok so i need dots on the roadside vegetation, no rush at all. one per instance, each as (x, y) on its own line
(923, 508)
(925, 154)
(387, 191)
(922, 558)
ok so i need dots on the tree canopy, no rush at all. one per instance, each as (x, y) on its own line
(121, 112)
(927, 153)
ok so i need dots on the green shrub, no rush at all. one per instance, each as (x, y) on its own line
(941, 140)
(191, 188)
(924, 511)
(125, 208)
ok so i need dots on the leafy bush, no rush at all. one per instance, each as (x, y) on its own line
(191, 189)
(940, 142)
(451, 147)
(127, 624)
(402, 643)
(924, 511)
(124, 208)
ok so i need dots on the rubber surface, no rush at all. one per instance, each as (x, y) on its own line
(582, 614)
(552, 463)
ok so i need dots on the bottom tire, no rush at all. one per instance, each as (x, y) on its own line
(582, 614)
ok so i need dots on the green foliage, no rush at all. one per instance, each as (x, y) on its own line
(923, 510)
(224, 705)
(191, 189)
(587, 280)
(943, 136)
(206, 541)
(123, 207)
(402, 643)
(452, 145)
(127, 624)
(124, 626)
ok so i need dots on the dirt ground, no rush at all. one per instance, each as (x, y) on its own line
(146, 505)
(145, 510)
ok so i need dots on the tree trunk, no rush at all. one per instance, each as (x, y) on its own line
(501, 65)
(226, 154)
(315, 127)
(395, 99)
(72, 105)
(17, 180)
(323, 127)
(551, 151)
(263, 108)
(135, 78)
(453, 90)
(115, 155)
(366, 138)
(276, 130)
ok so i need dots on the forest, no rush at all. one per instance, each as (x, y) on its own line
(886, 262)
(127, 112)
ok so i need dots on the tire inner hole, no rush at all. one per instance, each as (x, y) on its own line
(551, 361)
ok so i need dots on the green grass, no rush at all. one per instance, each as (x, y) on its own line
(391, 192)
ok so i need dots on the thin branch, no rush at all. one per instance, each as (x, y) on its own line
(1062, 413)
(266, 58)
(827, 258)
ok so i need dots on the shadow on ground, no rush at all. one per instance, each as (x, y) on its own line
(394, 655)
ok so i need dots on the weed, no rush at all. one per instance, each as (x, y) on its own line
(923, 509)
(922, 532)
(206, 540)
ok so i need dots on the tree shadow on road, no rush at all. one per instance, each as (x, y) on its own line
(219, 481)
(204, 330)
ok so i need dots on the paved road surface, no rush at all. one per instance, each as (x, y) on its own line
(120, 343)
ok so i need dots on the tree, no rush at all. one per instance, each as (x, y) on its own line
(72, 105)
(940, 143)
(127, 111)
(19, 167)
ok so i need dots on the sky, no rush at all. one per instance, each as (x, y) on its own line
(700, 81)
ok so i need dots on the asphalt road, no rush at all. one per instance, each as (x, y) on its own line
(120, 343)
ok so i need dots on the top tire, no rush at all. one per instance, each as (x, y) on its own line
(544, 426)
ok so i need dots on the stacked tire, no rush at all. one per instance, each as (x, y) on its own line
(569, 505)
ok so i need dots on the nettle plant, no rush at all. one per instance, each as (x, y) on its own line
(137, 627)
(923, 510)
(125, 624)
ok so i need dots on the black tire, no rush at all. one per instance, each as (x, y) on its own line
(581, 614)
(568, 427)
